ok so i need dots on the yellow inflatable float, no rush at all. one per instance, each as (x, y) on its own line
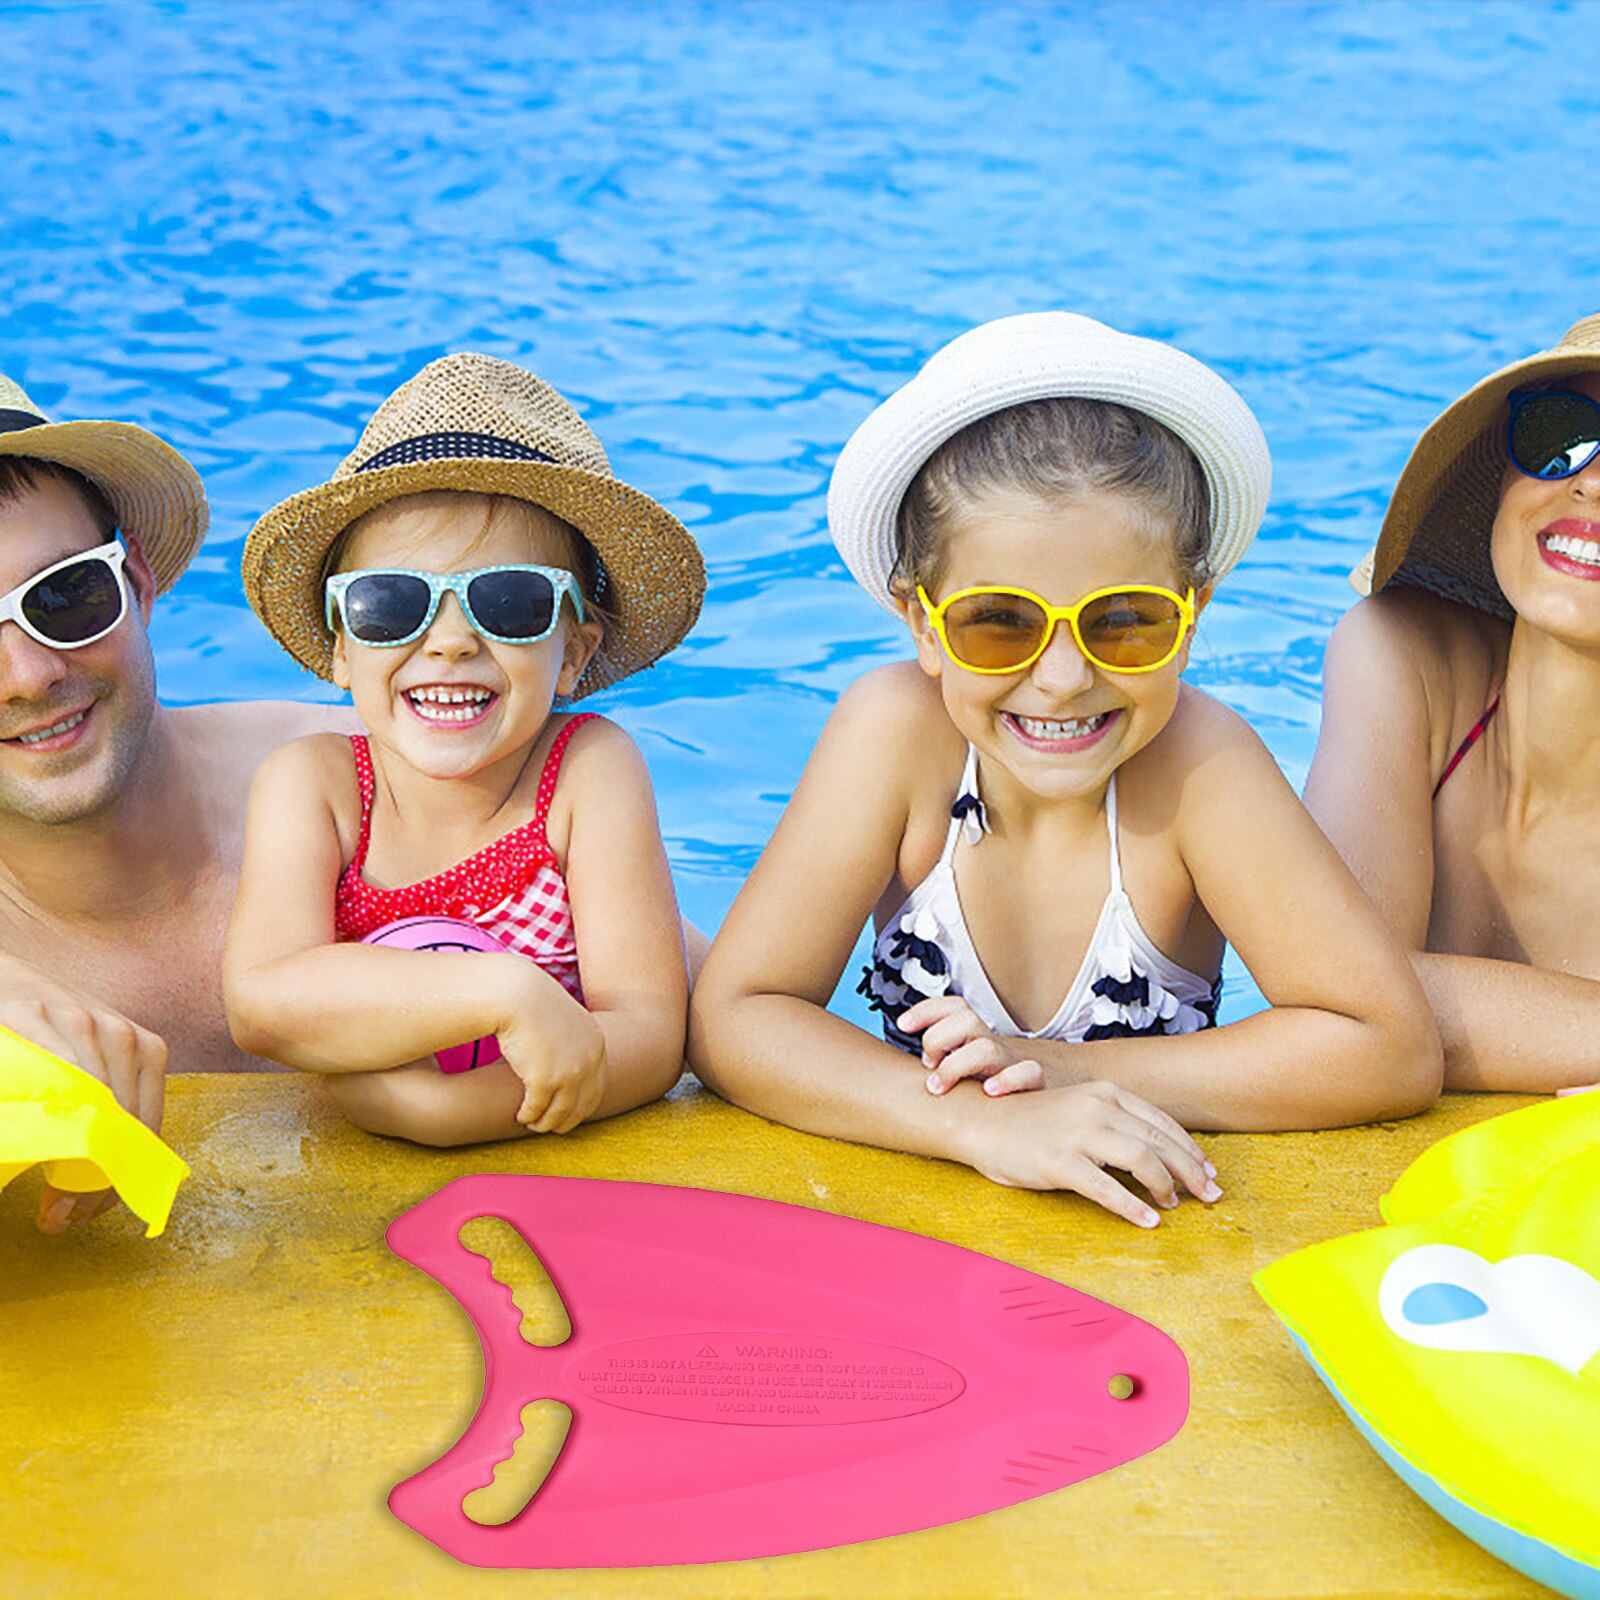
(1463, 1338)
(54, 1113)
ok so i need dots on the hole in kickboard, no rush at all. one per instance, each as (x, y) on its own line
(511, 1259)
(521, 1475)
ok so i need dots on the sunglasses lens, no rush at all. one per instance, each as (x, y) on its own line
(385, 607)
(1555, 435)
(1131, 629)
(77, 603)
(513, 605)
(994, 632)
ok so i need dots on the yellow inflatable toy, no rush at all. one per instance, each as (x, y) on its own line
(55, 1113)
(1463, 1338)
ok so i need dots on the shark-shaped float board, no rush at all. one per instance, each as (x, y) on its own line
(748, 1378)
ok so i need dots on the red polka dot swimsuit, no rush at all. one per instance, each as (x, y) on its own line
(512, 888)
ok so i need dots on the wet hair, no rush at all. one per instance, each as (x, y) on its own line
(1055, 449)
(452, 507)
(19, 474)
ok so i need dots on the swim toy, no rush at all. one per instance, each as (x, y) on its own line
(446, 933)
(54, 1113)
(1463, 1339)
(748, 1378)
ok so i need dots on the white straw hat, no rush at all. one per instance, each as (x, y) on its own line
(1044, 355)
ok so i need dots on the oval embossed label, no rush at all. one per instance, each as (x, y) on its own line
(769, 1379)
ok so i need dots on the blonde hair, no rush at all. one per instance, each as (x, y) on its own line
(434, 510)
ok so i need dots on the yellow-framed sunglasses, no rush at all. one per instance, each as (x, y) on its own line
(993, 629)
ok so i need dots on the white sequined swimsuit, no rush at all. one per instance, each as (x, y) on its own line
(1124, 987)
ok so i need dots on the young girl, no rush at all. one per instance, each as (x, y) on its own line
(1053, 832)
(464, 917)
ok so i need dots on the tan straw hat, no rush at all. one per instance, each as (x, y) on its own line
(156, 495)
(1436, 533)
(473, 423)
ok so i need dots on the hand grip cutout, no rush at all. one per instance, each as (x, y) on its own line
(519, 1477)
(518, 1269)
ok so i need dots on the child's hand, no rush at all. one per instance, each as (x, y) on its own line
(1063, 1138)
(559, 1052)
(956, 1044)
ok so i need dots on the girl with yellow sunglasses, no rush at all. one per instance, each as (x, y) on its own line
(1053, 833)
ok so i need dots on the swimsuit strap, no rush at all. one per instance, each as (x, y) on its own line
(966, 803)
(1475, 733)
(1111, 826)
(363, 754)
(552, 767)
(362, 751)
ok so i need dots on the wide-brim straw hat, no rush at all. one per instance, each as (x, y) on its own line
(1044, 355)
(157, 496)
(473, 423)
(1435, 534)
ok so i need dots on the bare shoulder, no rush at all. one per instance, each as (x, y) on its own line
(1204, 735)
(1406, 639)
(243, 732)
(319, 765)
(894, 716)
(600, 752)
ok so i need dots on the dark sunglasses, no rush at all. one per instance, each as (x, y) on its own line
(72, 603)
(1553, 433)
(394, 605)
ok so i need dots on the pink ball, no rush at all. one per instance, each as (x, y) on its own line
(446, 933)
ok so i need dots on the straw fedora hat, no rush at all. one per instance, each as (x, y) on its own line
(1435, 534)
(1043, 355)
(471, 422)
(156, 495)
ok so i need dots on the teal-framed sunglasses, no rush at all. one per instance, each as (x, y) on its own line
(393, 605)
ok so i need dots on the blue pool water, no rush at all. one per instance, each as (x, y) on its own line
(727, 230)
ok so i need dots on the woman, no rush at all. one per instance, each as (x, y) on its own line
(1458, 769)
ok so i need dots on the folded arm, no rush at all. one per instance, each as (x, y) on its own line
(1387, 727)
(298, 996)
(761, 1034)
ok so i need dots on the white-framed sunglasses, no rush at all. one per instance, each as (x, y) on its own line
(73, 602)
(516, 604)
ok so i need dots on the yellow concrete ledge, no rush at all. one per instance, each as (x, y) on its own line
(221, 1412)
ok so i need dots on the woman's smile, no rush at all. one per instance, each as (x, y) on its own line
(1572, 546)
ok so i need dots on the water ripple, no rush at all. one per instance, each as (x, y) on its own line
(727, 230)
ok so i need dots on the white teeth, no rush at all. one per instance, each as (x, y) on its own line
(1584, 550)
(50, 733)
(453, 697)
(1048, 728)
(440, 704)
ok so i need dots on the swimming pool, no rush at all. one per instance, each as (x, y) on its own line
(726, 230)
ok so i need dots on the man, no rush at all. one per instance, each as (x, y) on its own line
(121, 820)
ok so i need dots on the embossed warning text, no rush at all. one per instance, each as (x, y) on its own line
(765, 1379)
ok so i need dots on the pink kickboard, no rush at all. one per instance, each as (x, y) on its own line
(748, 1378)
